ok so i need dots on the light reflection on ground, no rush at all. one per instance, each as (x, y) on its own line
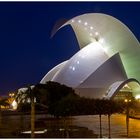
(77, 127)
(118, 125)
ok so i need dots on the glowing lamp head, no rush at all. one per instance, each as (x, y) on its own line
(125, 100)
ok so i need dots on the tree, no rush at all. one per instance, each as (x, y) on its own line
(29, 96)
(46, 95)
(51, 93)
(65, 107)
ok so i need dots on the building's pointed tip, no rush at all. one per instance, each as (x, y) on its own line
(57, 25)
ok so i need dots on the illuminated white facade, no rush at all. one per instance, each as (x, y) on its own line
(108, 57)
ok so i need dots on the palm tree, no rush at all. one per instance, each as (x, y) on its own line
(100, 115)
(29, 96)
(32, 98)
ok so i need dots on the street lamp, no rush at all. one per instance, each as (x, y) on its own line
(127, 101)
(11, 94)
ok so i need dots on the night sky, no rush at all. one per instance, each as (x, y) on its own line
(27, 52)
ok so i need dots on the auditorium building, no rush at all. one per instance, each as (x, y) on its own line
(108, 62)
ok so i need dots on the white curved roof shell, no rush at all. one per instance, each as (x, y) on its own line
(49, 76)
(112, 34)
(100, 38)
(78, 67)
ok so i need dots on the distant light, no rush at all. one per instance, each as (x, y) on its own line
(61, 129)
(11, 94)
(79, 21)
(126, 100)
(14, 105)
(36, 132)
(137, 97)
(129, 100)
(73, 68)
(28, 100)
(96, 33)
(72, 20)
(126, 86)
(91, 27)
(85, 23)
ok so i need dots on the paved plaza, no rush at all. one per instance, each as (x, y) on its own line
(12, 126)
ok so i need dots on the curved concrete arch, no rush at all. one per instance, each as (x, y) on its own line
(112, 34)
(81, 65)
(115, 87)
(49, 76)
(109, 72)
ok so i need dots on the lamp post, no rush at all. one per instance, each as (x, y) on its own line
(127, 101)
